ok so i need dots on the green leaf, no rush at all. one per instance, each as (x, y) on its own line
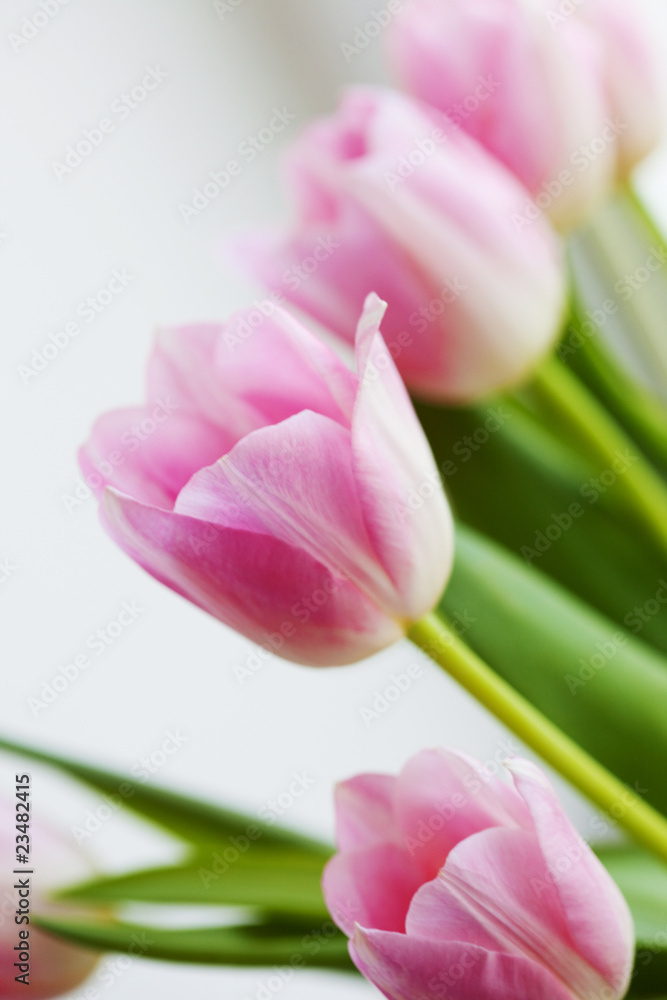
(514, 480)
(270, 880)
(190, 819)
(642, 878)
(605, 689)
(618, 242)
(640, 414)
(318, 946)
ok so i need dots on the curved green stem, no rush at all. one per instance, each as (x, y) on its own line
(645, 824)
(596, 434)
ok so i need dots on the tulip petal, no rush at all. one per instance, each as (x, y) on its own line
(150, 452)
(632, 75)
(365, 811)
(403, 502)
(596, 913)
(408, 968)
(373, 885)
(273, 593)
(440, 799)
(361, 260)
(537, 89)
(495, 887)
(256, 369)
(454, 217)
(297, 483)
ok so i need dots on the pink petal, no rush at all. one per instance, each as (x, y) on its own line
(273, 593)
(407, 968)
(494, 891)
(632, 76)
(297, 484)
(454, 217)
(360, 259)
(150, 452)
(372, 886)
(541, 87)
(184, 366)
(441, 799)
(365, 811)
(254, 370)
(596, 913)
(400, 490)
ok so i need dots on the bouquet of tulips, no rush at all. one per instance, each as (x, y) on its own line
(486, 474)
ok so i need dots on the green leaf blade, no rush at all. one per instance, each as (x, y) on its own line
(193, 820)
(321, 946)
(269, 880)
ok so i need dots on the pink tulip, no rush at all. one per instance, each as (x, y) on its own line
(55, 966)
(294, 500)
(451, 884)
(632, 77)
(561, 99)
(393, 199)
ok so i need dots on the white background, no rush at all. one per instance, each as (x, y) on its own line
(60, 242)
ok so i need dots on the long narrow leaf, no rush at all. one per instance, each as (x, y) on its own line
(270, 880)
(322, 946)
(513, 480)
(190, 819)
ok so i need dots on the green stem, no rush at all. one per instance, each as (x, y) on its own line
(591, 428)
(645, 824)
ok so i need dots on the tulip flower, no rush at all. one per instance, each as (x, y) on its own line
(291, 498)
(52, 966)
(632, 78)
(566, 100)
(397, 200)
(453, 884)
